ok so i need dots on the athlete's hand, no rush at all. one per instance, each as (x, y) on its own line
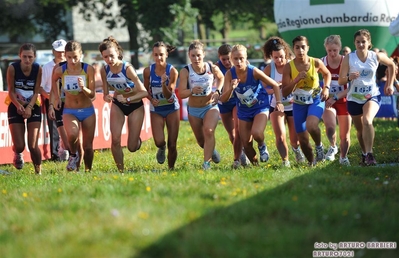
(155, 102)
(234, 83)
(51, 112)
(107, 98)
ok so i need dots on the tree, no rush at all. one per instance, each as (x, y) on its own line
(232, 12)
(21, 20)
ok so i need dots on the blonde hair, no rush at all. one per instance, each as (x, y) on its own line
(333, 39)
(239, 47)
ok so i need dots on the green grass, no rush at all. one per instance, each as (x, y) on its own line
(266, 211)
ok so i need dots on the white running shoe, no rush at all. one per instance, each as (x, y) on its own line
(63, 154)
(244, 159)
(299, 157)
(344, 161)
(286, 163)
(263, 153)
(161, 155)
(72, 162)
(18, 160)
(330, 155)
(215, 156)
(320, 153)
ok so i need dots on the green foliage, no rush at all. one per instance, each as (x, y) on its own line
(265, 211)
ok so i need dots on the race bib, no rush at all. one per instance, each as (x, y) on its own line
(158, 95)
(248, 98)
(120, 85)
(206, 89)
(303, 97)
(286, 101)
(23, 96)
(71, 84)
(361, 92)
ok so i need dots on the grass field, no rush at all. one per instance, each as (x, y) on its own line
(265, 211)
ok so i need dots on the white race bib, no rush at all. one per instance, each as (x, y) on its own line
(71, 84)
(303, 97)
(361, 92)
(119, 84)
(23, 96)
(247, 98)
(158, 95)
(206, 89)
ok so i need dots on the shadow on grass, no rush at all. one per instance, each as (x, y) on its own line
(331, 204)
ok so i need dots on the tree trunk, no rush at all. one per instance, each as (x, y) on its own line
(226, 28)
(134, 44)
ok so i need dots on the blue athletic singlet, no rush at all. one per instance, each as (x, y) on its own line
(250, 94)
(119, 81)
(156, 92)
(228, 106)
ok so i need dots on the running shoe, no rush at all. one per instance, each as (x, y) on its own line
(206, 165)
(161, 155)
(320, 153)
(299, 155)
(330, 155)
(370, 160)
(236, 164)
(63, 154)
(72, 162)
(263, 153)
(215, 156)
(344, 161)
(286, 163)
(18, 161)
(244, 159)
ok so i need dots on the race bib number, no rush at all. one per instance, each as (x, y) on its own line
(120, 85)
(303, 97)
(206, 89)
(71, 84)
(158, 95)
(248, 98)
(286, 101)
(362, 92)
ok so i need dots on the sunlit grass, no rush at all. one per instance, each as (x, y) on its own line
(188, 212)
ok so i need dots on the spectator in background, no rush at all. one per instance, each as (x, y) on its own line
(346, 50)
(78, 115)
(58, 149)
(160, 81)
(126, 100)
(23, 80)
